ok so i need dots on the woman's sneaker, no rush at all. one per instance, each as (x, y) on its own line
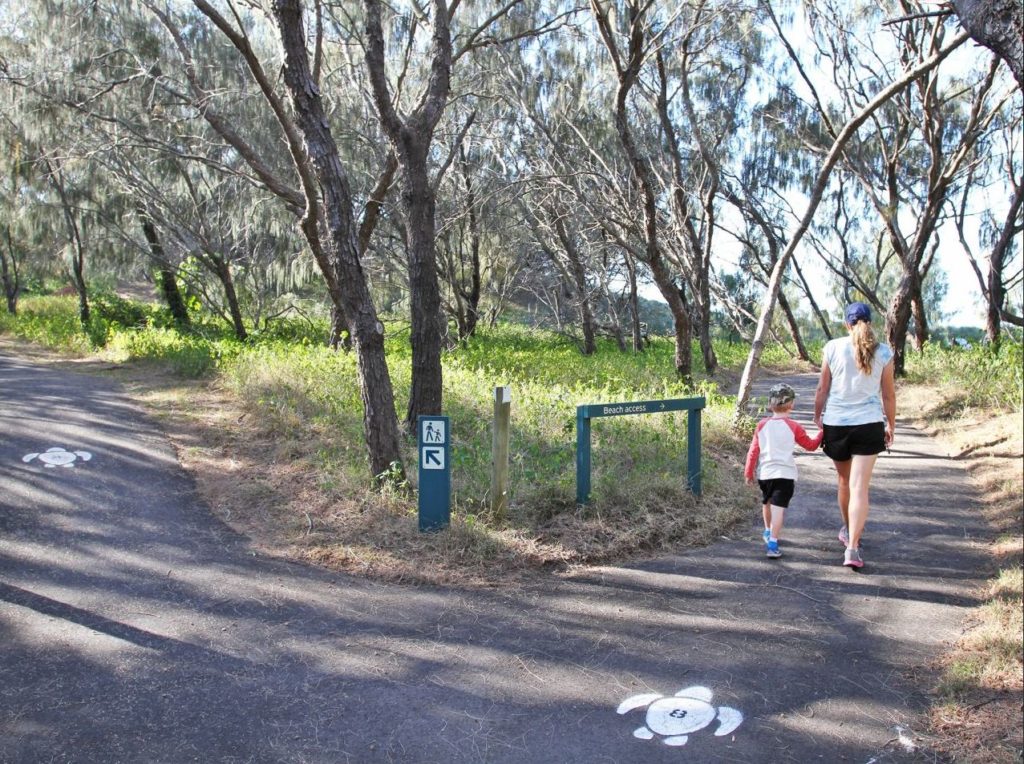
(766, 535)
(772, 549)
(852, 559)
(844, 536)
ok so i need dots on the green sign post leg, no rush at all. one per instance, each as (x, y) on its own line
(693, 466)
(582, 455)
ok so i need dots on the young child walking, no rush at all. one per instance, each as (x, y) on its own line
(771, 451)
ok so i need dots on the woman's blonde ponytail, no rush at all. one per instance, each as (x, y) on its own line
(864, 345)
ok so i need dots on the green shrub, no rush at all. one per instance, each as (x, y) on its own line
(49, 321)
(985, 376)
(188, 355)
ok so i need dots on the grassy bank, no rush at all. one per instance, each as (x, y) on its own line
(273, 431)
(972, 403)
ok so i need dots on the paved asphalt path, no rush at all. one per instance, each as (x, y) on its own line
(135, 627)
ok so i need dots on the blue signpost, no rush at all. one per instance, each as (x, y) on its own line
(435, 476)
(585, 413)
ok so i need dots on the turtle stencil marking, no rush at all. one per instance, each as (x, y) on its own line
(676, 716)
(58, 457)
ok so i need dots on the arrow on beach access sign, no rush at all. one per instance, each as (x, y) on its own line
(432, 458)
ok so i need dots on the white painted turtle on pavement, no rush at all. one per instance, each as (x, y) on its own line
(58, 457)
(676, 716)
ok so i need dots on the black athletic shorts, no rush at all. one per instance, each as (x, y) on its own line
(777, 491)
(842, 443)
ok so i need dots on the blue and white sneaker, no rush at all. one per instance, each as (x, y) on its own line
(772, 549)
(766, 535)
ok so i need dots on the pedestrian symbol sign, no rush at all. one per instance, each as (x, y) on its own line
(432, 431)
(434, 472)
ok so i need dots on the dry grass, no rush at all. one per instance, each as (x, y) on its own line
(979, 700)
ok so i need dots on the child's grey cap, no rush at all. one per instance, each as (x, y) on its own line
(781, 394)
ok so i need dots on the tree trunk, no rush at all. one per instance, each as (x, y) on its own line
(424, 291)
(996, 262)
(74, 240)
(410, 137)
(707, 348)
(634, 305)
(472, 297)
(166, 278)
(794, 328)
(999, 26)
(578, 275)
(897, 320)
(168, 283)
(822, 321)
(380, 424)
(9, 273)
(223, 270)
(920, 321)
(676, 299)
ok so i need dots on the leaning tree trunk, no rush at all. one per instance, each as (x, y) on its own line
(775, 281)
(167, 280)
(168, 283)
(380, 425)
(227, 282)
(794, 328)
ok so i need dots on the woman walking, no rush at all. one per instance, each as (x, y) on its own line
(855, 407)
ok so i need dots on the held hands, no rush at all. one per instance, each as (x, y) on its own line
(890, 434)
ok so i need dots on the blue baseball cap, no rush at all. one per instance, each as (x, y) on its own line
(857, 311)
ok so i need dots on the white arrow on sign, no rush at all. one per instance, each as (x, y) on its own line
(432, 458)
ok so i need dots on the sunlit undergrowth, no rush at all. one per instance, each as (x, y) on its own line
(979, 377)
(639, 498)
(305, 419)
(970, 399)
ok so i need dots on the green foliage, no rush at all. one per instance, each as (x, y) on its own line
(189, 355)
(986, 377)
(310, 388)
(49, 321)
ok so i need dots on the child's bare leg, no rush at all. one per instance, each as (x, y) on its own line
(766, 511)
(777, 514)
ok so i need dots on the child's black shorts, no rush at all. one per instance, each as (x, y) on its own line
(777, 491)
(841, 443)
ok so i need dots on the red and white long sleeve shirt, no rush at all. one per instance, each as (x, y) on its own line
(773, 444)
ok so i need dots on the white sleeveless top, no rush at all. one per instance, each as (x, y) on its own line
(854, 397)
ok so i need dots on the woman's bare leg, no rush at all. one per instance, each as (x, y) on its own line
(859, 485)
(843, 490)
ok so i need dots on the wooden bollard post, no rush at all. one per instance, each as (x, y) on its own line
(499, 453)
